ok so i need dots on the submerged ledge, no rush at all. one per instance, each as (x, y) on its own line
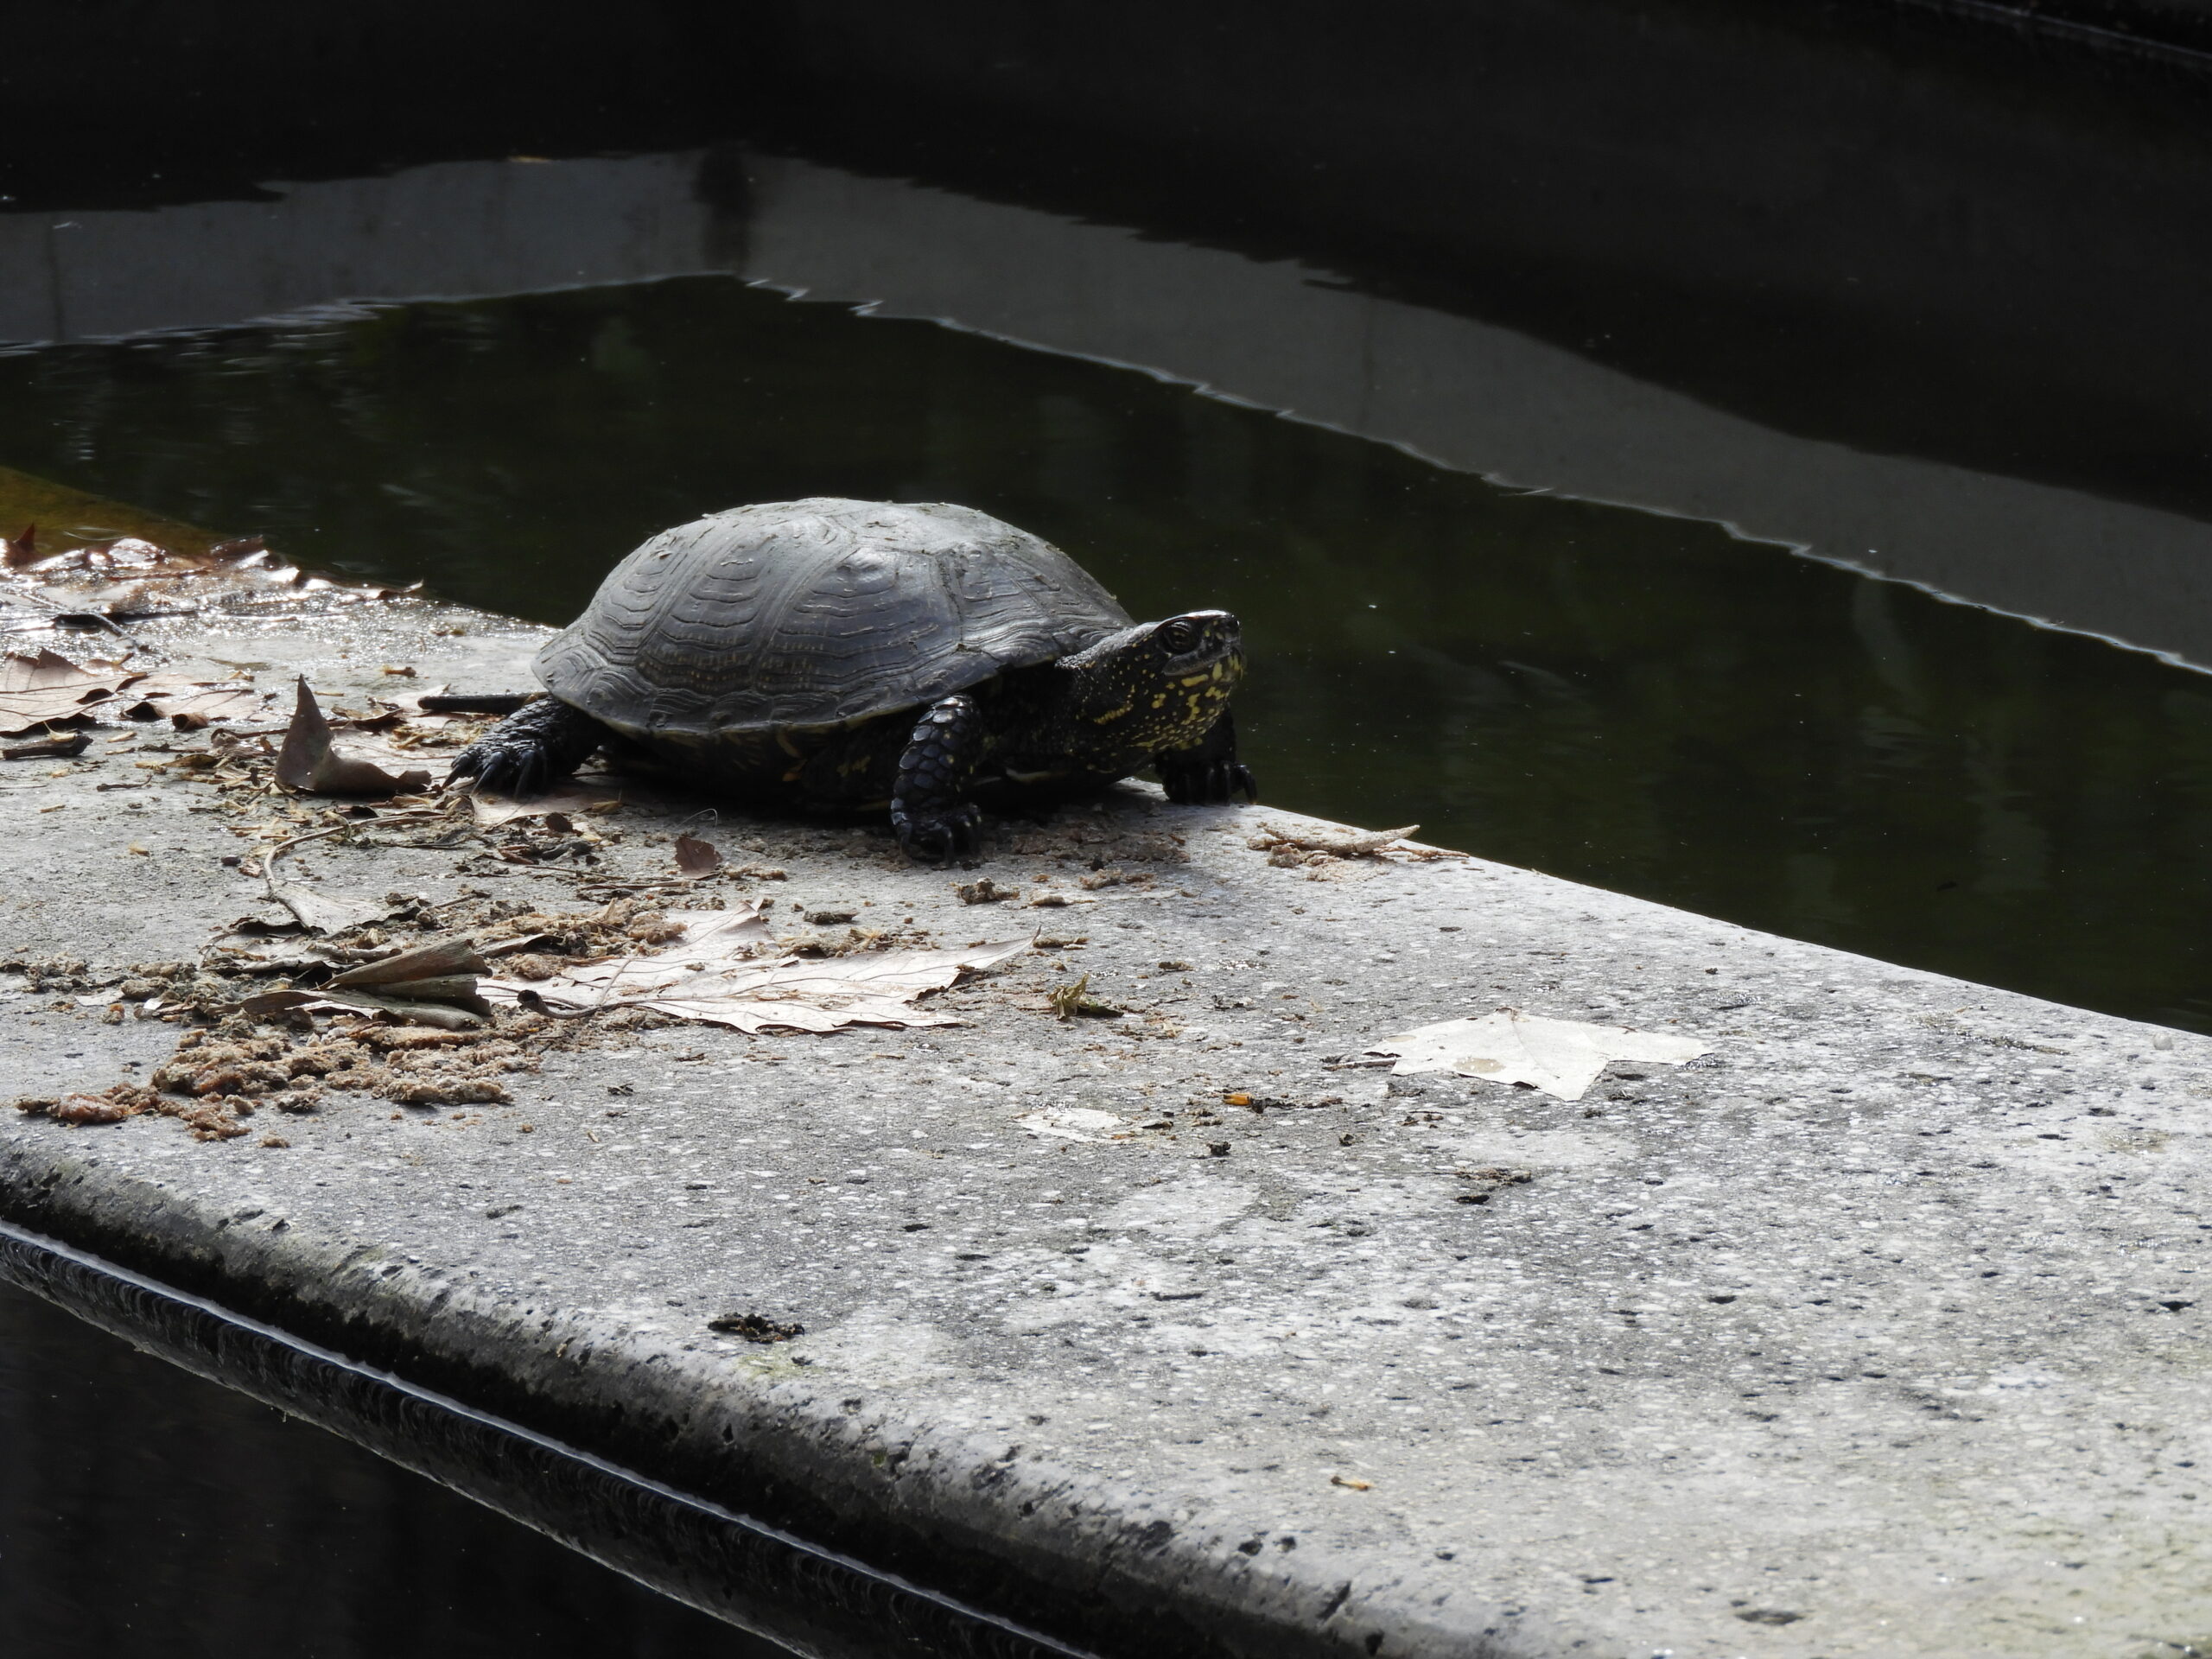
(1177, 1333)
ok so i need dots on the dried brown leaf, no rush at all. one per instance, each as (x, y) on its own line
(49, 671)
(48, 689)
(333, 1002)
(320, 914)
(695, 858)
(204, 703)
(703, 976)
(489, 812)
(306, 761)
(443, 959)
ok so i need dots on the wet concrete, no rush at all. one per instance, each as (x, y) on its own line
(1877, 1329)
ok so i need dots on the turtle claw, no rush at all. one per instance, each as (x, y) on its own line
(943, 838)
(1212, 783)
(499, 767)
(526, 752)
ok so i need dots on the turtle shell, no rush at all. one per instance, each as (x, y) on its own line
(816, 613)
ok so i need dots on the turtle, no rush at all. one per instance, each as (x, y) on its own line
(839, 655)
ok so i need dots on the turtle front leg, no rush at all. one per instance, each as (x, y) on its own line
(540, 742)
(1208, 772)
(930, 811)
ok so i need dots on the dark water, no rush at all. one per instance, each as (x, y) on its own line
(146, 1514)
(1630, 699)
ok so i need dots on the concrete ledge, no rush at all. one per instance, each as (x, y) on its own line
(1877, 1329)
(752, 1575)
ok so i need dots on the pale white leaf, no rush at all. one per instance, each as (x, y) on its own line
(319, 915)
(704, 976)
(492, 811)
(1560, 1056)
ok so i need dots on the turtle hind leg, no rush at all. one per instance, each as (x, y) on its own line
(1208, 773)
(934, 819)
(540, 743)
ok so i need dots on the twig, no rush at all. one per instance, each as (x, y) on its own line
(269, 859)
(55, 613)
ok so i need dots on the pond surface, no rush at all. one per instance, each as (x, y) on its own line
(1621, 698)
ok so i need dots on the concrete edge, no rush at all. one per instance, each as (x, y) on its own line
(708, 1557)
(815, 1522)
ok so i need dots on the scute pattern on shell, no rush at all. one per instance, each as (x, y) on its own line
(817, 612)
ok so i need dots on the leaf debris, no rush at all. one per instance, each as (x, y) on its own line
(308, 763)
(1560, 1056)
(708, 973)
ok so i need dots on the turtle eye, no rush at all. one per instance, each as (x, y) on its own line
(1180, 636)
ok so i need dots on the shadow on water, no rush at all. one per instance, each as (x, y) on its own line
(1623, 698)
(220, 1526)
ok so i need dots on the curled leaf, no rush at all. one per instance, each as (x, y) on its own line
(308, 762)
(1074, 1000)
(695, 858)
(443, 960)
(328, 1002)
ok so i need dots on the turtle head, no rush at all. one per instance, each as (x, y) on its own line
(1159, 684)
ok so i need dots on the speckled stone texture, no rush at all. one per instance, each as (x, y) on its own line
(1879, 1330)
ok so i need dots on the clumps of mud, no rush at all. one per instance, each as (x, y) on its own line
(228, 1067)
(49, 974)
(222, 1074)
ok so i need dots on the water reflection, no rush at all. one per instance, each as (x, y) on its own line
(1632, 700)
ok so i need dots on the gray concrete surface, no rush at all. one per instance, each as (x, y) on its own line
(1880, 1329)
